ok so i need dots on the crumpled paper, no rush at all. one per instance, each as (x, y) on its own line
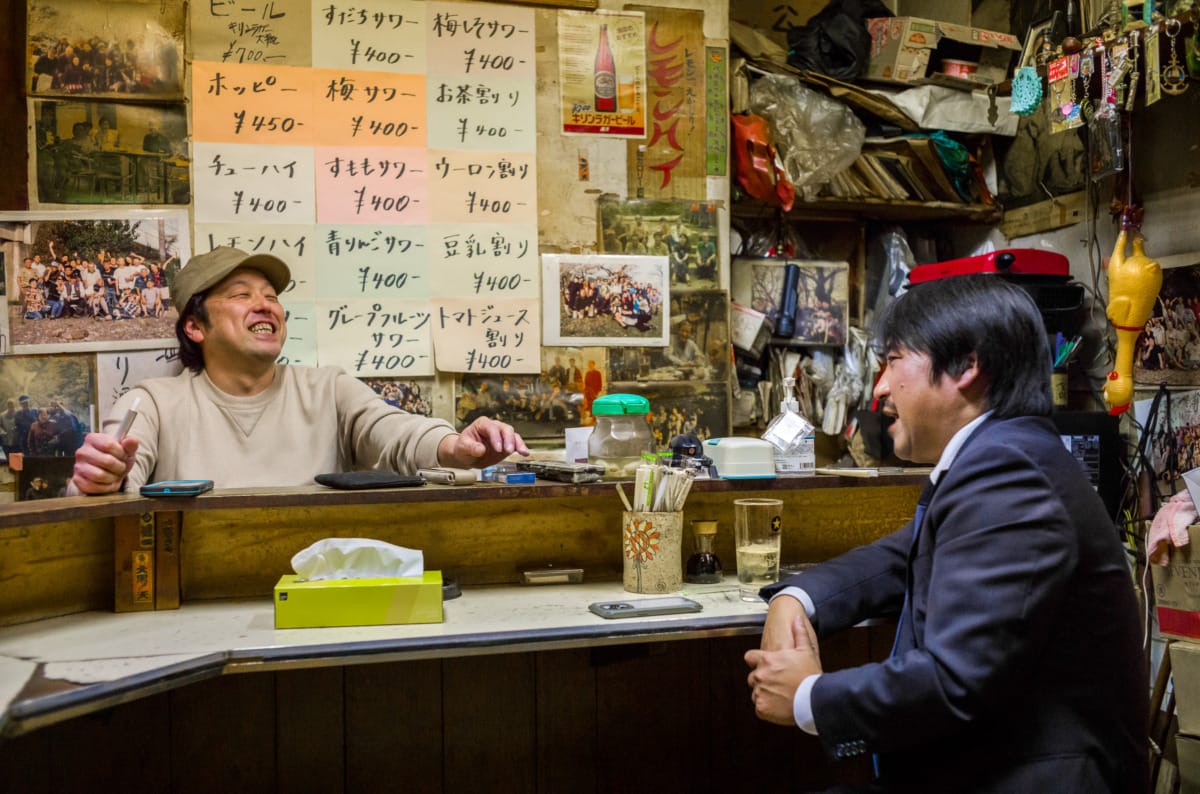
(357, 558)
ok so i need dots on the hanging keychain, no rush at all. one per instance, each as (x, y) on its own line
(1174, 77)
(1134, 76)
(1086, 69)
(1152, 66)
(1104, 130)
(1062, 75)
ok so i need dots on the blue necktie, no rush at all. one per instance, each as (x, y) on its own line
(922, 503)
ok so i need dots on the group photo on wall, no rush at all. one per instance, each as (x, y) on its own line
(93, 283)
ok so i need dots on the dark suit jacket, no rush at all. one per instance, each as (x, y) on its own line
(1018, 665)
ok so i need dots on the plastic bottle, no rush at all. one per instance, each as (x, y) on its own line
(792, 436)
(620, 436)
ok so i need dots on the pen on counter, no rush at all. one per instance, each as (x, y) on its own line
(127, 420)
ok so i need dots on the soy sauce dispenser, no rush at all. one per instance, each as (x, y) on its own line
(703, 567)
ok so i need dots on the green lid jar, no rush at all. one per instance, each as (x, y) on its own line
(621, 434)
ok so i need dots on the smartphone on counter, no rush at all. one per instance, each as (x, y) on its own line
(176, 488)
(643, 607)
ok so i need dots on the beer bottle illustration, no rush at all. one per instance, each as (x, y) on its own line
(605, 75)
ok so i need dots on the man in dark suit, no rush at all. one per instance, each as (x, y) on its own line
(1017, 664)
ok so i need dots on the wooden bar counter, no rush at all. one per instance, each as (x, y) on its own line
(520, 689)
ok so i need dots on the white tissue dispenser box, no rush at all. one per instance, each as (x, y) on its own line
(737, 458)
(358, 602)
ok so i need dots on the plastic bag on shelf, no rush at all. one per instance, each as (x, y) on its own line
(898, 262)
(816, 137)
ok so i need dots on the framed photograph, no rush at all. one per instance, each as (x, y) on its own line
(126, 48)
(822, 296)
(1037, 42)
(538, 406)
(609, 300)
(44, 478)
(698, 349)
(1168, 351)
(47, 404)
(100, 281)
(683, 231)
(88, 152)
(1175, 446)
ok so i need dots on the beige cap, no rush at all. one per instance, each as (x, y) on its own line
(206, 270)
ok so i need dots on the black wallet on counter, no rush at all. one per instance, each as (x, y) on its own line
(362, 480)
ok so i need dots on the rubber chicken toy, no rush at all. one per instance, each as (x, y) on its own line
(1133, 284)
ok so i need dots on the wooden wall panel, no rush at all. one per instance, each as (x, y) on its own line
(566, 720)
(55, 569)
(223, 735)
(14, 192)
(652, 717)
(118, 749)
(393, 719)
(310, 730)
(25, 763)
(752, 755)
(662, 716)
(818, 523)
(478, 542)
(489, 727)
(226, 555)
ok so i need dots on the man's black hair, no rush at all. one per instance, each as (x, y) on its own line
(952, 318)
(189, 352)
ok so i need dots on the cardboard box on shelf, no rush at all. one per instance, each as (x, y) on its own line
(1187, 751)
(1177, 590)
(909, 50)
(1185, 675)
(358, 602)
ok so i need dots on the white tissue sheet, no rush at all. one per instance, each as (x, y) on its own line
(357, 558)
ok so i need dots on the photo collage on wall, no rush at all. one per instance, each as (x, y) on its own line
(105, 85)
(687, 380)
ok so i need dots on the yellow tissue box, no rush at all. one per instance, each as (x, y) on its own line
(358, 602)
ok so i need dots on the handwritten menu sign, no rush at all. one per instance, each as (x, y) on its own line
(332, 143)
(252, 31)
(502, 335)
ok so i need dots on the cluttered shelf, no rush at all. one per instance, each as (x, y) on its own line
(24, 514)
(873, 209)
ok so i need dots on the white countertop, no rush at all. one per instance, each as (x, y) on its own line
(95, 660)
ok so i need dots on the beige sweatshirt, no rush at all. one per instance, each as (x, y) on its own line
(309, 421)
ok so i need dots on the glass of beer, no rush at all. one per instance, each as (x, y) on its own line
(758, 527)
(627, 93)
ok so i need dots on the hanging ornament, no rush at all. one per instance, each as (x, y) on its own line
(1026, 91)
(1174, 79)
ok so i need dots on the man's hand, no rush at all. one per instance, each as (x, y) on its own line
(482, 443)
(102, 462)
(775, 675)
(777, 631)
